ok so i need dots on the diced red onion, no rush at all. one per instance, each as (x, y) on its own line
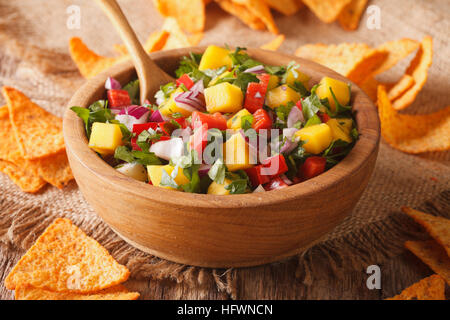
(198, 87)
(204, 169)
(257, 69)
(286, 180)
(289, 133)
(112, 84)
(294, 116)
(260, 188)
(288, 146)
(156, 117)
(168, 149)
(116, 110)
(189, 101)
(132, 115)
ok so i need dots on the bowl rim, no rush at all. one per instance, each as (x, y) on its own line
(367, 144)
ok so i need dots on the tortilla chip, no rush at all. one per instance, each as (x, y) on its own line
(370, 87)
(418, 69)
(437, 227)
(401, 87)
(356, 61)
(65, 259)
(398, 50)
(24, 292)
(274, 44)
(260, 9)
(55, 169)
(327, 10)
(88, 62)
(286, 7)
(431, 288)
(190, 15)
(25, 179)
(351, 15)
(8, 144)
(38, 132)
(155, 42)
(242, 12)
(433, 255)
(177, 39)
(413, 133)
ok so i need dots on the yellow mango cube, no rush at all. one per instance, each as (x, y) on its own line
(219, 189)
(105, 137)
(237, 153)
(281, 96)
(235, 121)
(296, 75)
(340, 89)
(155, 175)
(346, 123)
(215, 57)
(223, 97)
(274, 81)
(338, 132)
(170, 106)
(318, 137)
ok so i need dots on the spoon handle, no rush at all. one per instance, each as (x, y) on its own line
(146, 68)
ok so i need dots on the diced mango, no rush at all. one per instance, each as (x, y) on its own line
(215, 57)
(223, 75)
(237, 153)
(274, 81)
(235, 121)
(219, 189)
(296, 75)
(105, 137)
(281, 96)
(170, 106)
(338, 132)
(223, 97)
(340, 89)
(155, 175)
(318, 137)
(346, 123)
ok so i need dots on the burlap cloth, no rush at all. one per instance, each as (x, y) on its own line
(34, 58)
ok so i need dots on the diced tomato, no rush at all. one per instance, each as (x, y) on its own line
(216, 120)
(182, 122)
(165, 128)
(256, 177)
(299, 105)
(312, 167)
(261, 120)
(324, 117)
(186, 80)
(118, 98)
(277, 164)
(199, 139)
(274, 184)
(256, 93)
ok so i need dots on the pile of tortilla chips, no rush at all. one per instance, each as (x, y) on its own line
(169, 37)
(66, 264)
(32, 150)
(435, 253)
(362, 63)
(191, 15)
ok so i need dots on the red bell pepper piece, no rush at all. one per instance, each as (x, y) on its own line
(256, 93)
(312, 167)
(165, 128)
(186, 80)
(182, 122)
(299, 105)
(274, 184)
(216, 120)
(261, 120)
(256, 177)
(118, 98)
(199, 140)
(324, 117)
(275, 165)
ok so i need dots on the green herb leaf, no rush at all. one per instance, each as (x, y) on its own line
(313, 121)
(217, 171)
(237, 186)
(124, 154)
(133, 90)
(311, 105)
(246, 122)
(167, 180)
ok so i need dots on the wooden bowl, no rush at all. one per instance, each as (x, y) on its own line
(221, 231)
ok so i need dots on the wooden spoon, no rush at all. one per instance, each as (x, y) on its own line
(149, 74)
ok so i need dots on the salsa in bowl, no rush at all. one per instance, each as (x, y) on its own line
(229, 124)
